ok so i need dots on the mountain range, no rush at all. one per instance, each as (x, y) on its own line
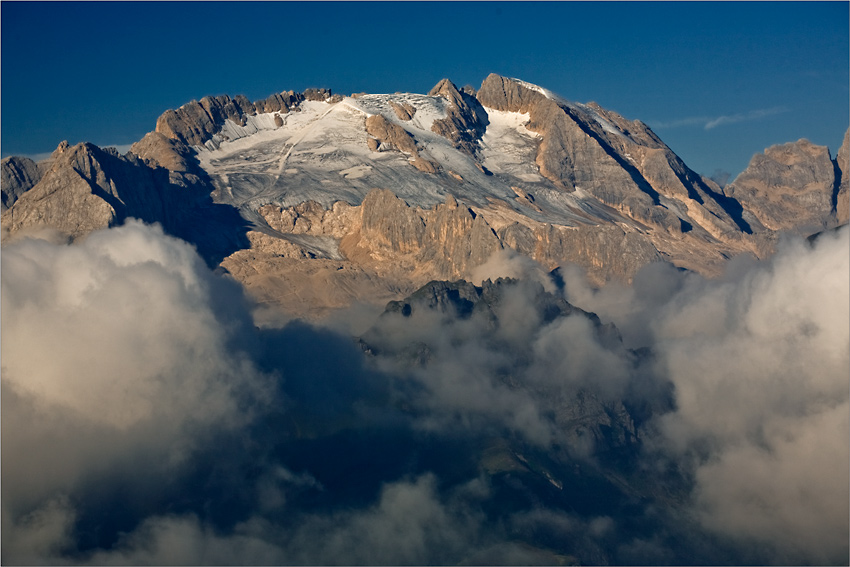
(488, 326)
(315, 201)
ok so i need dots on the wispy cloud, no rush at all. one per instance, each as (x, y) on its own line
(745, 117)
(709, 123)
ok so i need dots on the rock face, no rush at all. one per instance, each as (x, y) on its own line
(789, 187)
(161, 151)
(196, 122)
(466, 120)
(17, 176)
(392, 136)
(311, 201)
(621, 162)
(405, 111)
(85, 188)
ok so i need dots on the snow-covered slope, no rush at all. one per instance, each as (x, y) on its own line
(320, 154)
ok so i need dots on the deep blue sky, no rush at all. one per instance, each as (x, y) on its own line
(103, 72)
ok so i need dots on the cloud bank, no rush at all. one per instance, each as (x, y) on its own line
(146, 419)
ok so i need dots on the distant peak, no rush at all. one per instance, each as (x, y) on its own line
(444, 87)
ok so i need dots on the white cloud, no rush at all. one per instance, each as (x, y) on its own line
(711, 122)
(744, 116)
(131, 372)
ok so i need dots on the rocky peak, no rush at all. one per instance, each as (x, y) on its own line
(502, 93)
(60, 149)
(466, 119)
(318, 95)
(161, 151)
(197, 122)
(788, 187)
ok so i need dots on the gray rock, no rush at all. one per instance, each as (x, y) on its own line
(393, 136)
(161, 151)
(466, 120)
(404, 111)
(318, 95)
(87, 188)
(788, 187)
(17, 176)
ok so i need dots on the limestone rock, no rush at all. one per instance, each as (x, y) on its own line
(788, 187)
(161, 151)
(196, 122)
(17, 176)
(466, 121)
(404, 111)
(621, 162)
(318, 95)
(424, 165)
(387, 134)
(507, 95)
(279, 102)
(87, 188)
(391, 134)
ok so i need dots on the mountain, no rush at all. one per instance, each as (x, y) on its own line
(153, 414)
(373, 195)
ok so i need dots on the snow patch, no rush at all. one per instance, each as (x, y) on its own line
(356, 172)
(508, 146)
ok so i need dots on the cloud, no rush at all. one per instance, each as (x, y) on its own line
(711, 122)
(130, 323)
(690, 121)
(146, 419)
(120, 362)
(759, 361)
(760, 364)
(745, 116)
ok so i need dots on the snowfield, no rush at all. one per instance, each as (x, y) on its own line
(320, 154)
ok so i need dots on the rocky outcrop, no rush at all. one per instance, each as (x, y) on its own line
(573, 153)
(404, 111)
(278, 102)
(446, 241)
(788, 187)
(17, 176)
(507, 95)
(197, 122)
(318, 95)
(466, 119)
(160, 151)
(87, 188)
(393, 137)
